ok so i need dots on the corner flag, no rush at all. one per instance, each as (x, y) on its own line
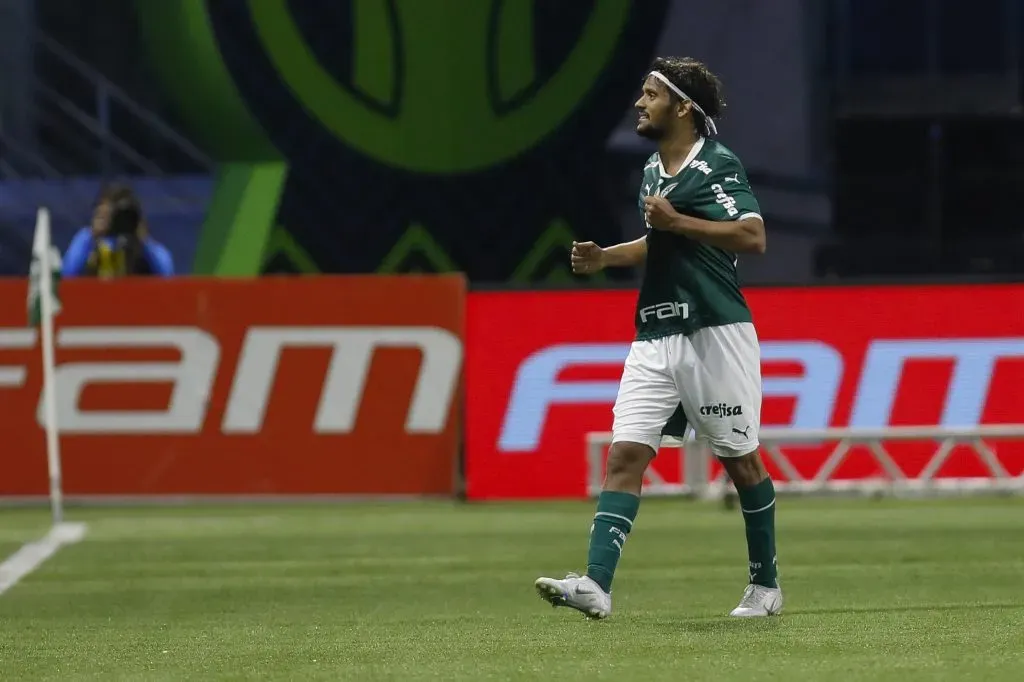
(45, 256)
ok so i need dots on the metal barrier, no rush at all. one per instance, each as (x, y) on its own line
(697, 482)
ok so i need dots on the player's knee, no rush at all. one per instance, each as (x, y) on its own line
(745, 470)
(626, 465)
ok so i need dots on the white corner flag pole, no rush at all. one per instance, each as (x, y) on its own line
(42, 250)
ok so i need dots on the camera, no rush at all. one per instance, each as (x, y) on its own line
(124, 219)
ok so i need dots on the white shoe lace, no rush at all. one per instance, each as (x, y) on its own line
(749, 600)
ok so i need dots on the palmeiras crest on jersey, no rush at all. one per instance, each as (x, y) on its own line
(465, 129)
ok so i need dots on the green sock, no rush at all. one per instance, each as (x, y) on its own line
(612, 523)
(758, 506)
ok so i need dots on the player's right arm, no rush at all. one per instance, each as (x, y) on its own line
(626, 255)
(588, 258)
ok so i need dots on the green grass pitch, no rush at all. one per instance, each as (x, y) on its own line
(875, 590)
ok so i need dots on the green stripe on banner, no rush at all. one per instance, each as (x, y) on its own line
(516, 68)
(240, 219)
(281, 244)
(416, 242)
(376, 75)
(552, 251)
(182, 47)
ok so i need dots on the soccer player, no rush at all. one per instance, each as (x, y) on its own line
(695, 357)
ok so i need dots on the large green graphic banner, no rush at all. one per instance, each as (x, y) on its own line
(403, 135)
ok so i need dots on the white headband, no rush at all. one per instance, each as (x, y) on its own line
(709, 123)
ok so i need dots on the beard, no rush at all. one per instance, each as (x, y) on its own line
(649, 131)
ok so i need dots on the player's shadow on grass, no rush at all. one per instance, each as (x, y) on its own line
(718, 625)
(724, 624)
(814, 611)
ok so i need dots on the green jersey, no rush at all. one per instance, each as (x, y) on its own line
(688, 285)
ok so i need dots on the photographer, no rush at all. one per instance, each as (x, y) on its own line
(117, 243)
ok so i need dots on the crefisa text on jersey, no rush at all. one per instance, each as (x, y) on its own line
(727, 202)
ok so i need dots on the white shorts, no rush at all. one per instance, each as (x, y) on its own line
(715, 373)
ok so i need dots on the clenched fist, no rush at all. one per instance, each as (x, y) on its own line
(586, 258)
(659, 212)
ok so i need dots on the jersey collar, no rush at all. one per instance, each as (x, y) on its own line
(694, 151)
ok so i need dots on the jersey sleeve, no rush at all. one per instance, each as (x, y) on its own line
(77, 255)
(727, 194)
(159, 258)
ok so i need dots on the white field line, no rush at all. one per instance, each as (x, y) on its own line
(33, 554)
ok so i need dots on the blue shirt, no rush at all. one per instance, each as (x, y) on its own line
(88, 256)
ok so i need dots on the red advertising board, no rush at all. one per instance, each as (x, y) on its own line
(276, 385)
(542, 371)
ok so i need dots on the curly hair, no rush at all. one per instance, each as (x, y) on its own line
(697, 81)
(120, 195)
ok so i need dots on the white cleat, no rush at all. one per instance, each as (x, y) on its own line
(759, 601)
(577, 592)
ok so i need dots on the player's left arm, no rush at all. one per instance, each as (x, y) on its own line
(733, 219)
